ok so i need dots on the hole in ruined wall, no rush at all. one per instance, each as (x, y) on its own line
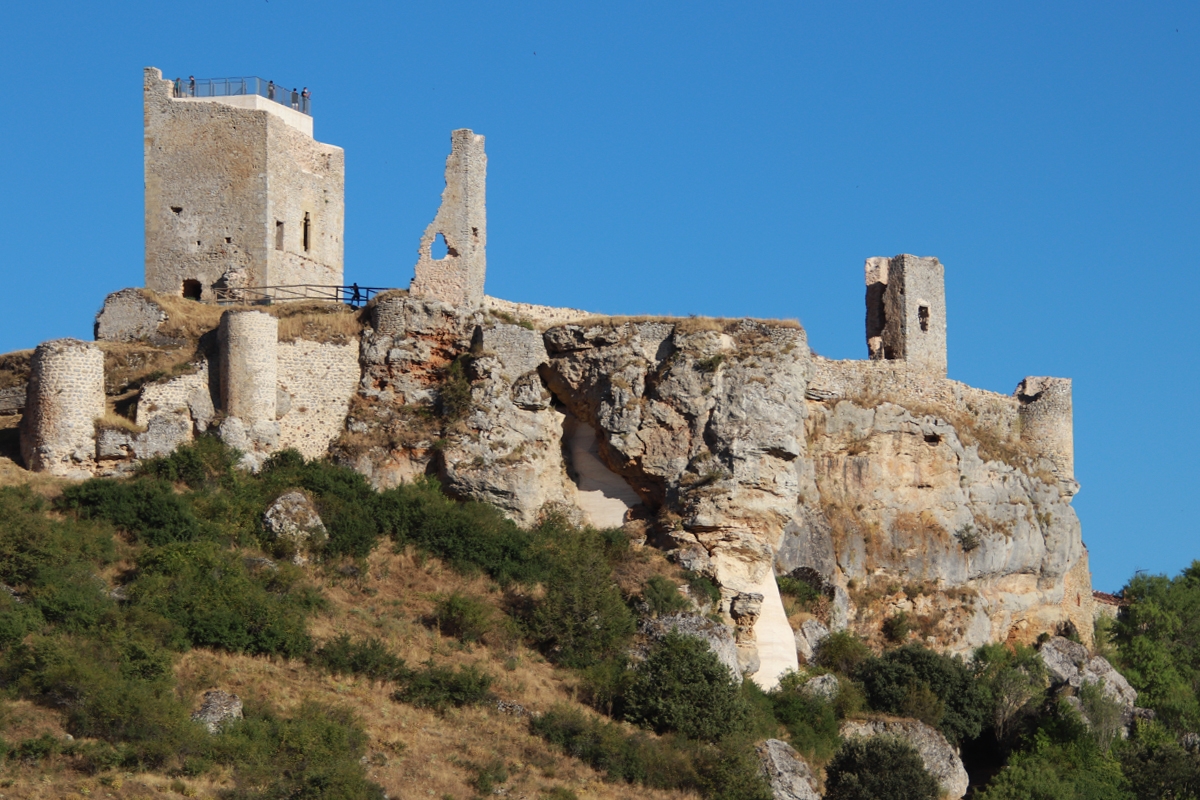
(475, 232)
(278, 235)
(439, 249)
(177, 209)
(923, 317)
(228, 240)
(191, 289)
(933, 438)
(307, 231)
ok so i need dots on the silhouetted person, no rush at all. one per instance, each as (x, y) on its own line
(178, 88)
(270, 90)
(191, 85)
(295, 99)
(304, 95)
(355, 298)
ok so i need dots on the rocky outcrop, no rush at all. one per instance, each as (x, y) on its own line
(718, 637)
(218, 709)
(824, 687)
(809, 636)
(786, 771)
(941, 759)
(292, 520)
(1069, 664)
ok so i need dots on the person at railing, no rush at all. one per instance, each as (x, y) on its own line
(304, 95)
(295, 99)
(270, 90)
(191, 85)
(356, 298)
(178, 88)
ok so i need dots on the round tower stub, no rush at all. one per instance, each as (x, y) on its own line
(249, 366)
(64, 398)
(1046, 421)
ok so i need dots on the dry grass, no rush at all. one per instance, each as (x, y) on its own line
(686, 324)
(413, 753)
(11, 471)
(14, 368)
(318, 322)
(112, 421)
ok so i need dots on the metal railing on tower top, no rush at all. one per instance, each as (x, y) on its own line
(299, 99)
(353, 295)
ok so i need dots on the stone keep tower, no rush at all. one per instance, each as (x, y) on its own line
(461, 220)
(238, 193)
(906, 311)
(1047, 421)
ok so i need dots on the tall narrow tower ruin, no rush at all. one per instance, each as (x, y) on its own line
(238, 193)
(906, 311)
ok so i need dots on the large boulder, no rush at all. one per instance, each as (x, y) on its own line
(218, 709)
(1069, 665)
(823, 687)
(808, 638)
(293, 521)
(719, 637)
(788, 773)
(941, 759)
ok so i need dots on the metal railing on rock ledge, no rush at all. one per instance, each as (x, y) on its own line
(353, 295)
(234, 87)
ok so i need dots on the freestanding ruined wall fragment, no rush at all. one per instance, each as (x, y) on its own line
(906, 311)
(461, 220)
(1046, 421)
(249, 342)
(238, 193)
(64, 398)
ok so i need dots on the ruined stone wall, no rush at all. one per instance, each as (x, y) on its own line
(316, 382)
(128, 316)
(64, 398)
(249, 343)
(218, 179)
(530, 312)
(1046, 421)
(305, 180)
(458, 278)
(1078, 603)
(906, 311)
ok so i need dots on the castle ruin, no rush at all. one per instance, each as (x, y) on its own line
(238, 193)
(752, 455)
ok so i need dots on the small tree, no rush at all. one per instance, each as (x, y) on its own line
(682, 687)
(879, 768)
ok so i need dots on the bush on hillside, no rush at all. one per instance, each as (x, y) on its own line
(662, 596)
(682, 687)
(367, 657)
(812, 722)
(878, 768)
(842, 652)
(148, 509)
(440, 688)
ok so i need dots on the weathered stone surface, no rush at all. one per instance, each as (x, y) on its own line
(826, 687)
(129, 316)
(941, 759)
(317, 381)
(808, 638)
(719, 637)
(218, 709)
(64, 398)
(787, 772)
(1070, 665)
(1063, 659)
(293, 519)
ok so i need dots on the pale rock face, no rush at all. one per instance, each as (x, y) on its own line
(786, 771)
(218, 709)
(293, 518)
(1069, 664)
(825, 687)
(808, 638)
(940, 757)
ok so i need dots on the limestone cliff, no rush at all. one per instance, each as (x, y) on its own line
(727, 442)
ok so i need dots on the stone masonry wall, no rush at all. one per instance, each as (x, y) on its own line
(1046, 420)
(906, 311)
(219, 179)
(64, 398)
(316, 382)
(249, 365)
(128, 316)
(458, 278)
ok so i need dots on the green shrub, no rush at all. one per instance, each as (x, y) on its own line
(663, 597)
(1158, 768)
(878, 768)
(205, 461)
(1061, 770)
(804, 592)
(369, 658)
(489, 776)
(937, 689)
(317, 753)
(897, 627)
(454, 395)
(682, 687)
(1016, 681)
(148, 509)
(842, 652)
(464, 617)
(440, 688)
(582, 618)
(812, 722)
(215, 601)
(702, 588)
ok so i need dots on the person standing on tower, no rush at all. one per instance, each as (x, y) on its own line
(178, 88)
(191, 85)
(270, 90)
(295, 99)
(304, 95)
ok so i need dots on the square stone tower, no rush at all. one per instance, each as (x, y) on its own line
(238, 193)
(906, 311)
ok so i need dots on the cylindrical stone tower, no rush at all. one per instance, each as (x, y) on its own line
(64, 398)
(249, 372)
(1046, 421)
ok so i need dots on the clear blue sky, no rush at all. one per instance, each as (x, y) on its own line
(694, 158)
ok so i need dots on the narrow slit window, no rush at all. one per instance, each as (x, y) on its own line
(923, 317)
(278, 235)
(307, 231)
